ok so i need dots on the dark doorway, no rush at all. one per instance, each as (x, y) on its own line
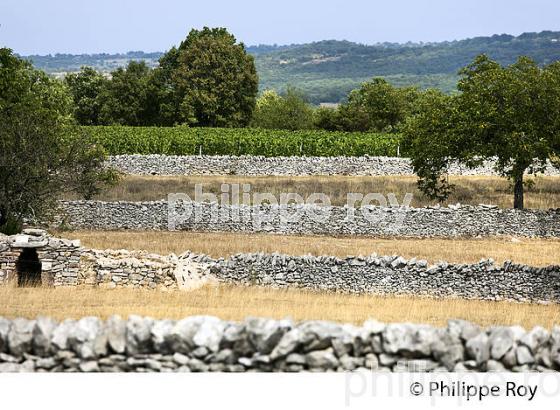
(28, 268)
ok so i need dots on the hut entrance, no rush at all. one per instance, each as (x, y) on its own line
(28, 268)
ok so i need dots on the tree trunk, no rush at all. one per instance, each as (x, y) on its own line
(518, 192)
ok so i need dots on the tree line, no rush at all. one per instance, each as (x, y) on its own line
(210, 80)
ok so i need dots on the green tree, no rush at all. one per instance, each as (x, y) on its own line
(289, 111)
(215, 80)
(429, 138)
(85, 87)
(42, 153)
(125, 97)
(327, 118)
(377, 106)
(510, 114)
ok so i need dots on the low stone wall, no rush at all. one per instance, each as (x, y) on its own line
(122, 268)
(453, 221)
(208, 344)
(289, 166)
(381, 275)
(390, 275)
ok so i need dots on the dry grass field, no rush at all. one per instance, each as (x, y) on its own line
(541, 192)
(536, 252)
(236, 303)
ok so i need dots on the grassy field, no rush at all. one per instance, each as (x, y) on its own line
(236, 303)
(541, 192)
(537, 252)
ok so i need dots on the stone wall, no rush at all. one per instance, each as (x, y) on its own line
(389, 275)
(380, 275)
(452, 221)
(65, 263)
(121, 268)
(59, 258)
(208, 344)
(290, 166)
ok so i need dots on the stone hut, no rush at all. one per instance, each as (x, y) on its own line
(33, 258)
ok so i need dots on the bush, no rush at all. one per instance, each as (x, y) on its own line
(119, 140)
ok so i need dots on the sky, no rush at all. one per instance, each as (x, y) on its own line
(71, 26)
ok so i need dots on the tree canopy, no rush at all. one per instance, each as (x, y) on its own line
(377, 106)
(289, 111)
(510, 114)
(41, 152)
(85, 87)
(214, 78)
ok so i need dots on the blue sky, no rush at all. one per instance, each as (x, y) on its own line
(71, 26)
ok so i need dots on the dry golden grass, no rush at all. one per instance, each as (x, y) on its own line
(536, 252)
(543, 192)
(236, 303)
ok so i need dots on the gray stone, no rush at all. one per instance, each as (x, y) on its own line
(46, 363)
(463, 329)
(42, 335)
(296, 358)
(61, 334)
(180, 359)
(371, 362)
(322, 359)
(349, 363)
(265, 334)
(161, 331)
(318, 334)
(138, 334)
(10, 367)
(8, 358)
(115, 328)
(5, 325)
(478, 348)
(86, 338)
(494, 366)
(20, 336)
(290, 341)
(535, 338)
(524, 355)
(226, 356)
(387, 359)
(501, 340)
(89, 367)
(197, 331)
(510, 359)
(409, 340)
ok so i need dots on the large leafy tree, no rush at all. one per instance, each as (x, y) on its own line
(214, 79)
(85, 87)
(41, 153)
(125, 97)
(510, 114)
(289, 111)
(377, 106)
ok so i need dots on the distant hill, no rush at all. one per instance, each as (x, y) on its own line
(64, 63)
(327, 70)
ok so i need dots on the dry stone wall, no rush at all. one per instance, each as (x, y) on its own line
(65, 263)
(452, 221)
(288, 166)
(381, 275)
(208, 344)
(390, 275)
